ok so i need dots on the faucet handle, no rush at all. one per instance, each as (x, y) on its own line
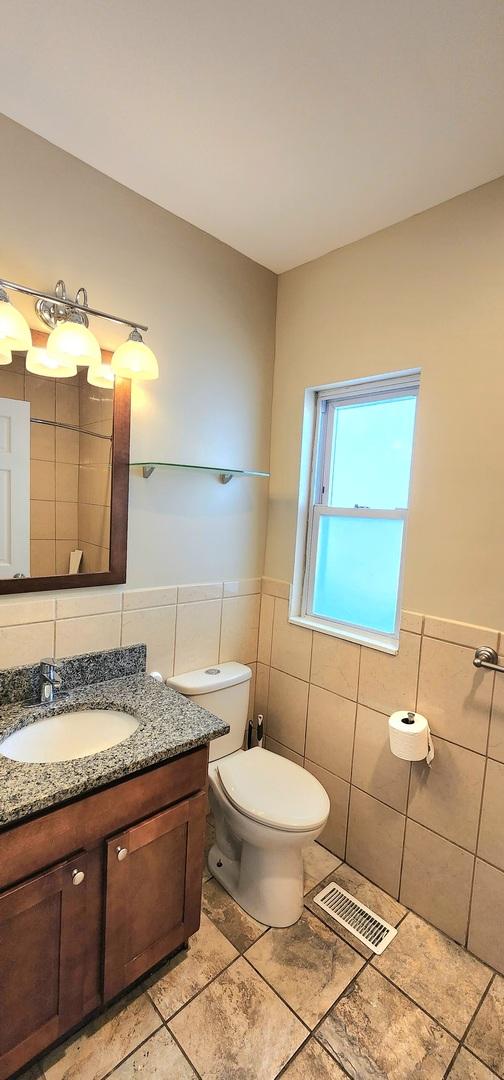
(50, 670)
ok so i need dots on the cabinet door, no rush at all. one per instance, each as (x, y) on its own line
(42, 952)
(153, 899)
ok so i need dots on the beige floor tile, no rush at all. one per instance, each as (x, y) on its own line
(208, 953)
(237, 1028)
(443, 894)
(237, 925)
(437, 973)
(313, 1063)
(158, 1059)
(318, 863)
(101, 1045)
(371, 895)
(467, 1067)
(307, 964)
(376, 1033)
(486, 1034)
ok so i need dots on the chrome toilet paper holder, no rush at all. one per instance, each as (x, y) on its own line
(486, 657)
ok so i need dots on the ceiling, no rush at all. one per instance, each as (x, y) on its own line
(284, 127)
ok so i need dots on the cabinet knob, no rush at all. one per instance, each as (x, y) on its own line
(77, 877)
(121, 853)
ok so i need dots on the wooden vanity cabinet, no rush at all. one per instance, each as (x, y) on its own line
(93, 895)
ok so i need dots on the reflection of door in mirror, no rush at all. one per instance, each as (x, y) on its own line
(70, 468)
(14, 488)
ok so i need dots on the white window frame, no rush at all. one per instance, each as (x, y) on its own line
(320, 406)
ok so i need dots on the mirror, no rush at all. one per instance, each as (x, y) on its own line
(64, 452)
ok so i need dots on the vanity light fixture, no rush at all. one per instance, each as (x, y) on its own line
(14, 330)
(101, 375)
(71, 342)
(39, 362)
(134, 359)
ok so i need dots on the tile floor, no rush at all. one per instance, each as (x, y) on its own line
(308, 1003)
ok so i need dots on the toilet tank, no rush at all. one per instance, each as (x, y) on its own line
(224, 690)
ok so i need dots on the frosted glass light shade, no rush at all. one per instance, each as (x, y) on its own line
(134, 360)
(14, 330)
(38, 362)
(72, 341)
(101, 375)
(5, 354)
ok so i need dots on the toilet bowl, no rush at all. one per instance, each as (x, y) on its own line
(266, 808)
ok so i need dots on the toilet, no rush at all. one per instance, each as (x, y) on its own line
(266, 808)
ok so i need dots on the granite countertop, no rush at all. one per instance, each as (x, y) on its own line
(169, 725)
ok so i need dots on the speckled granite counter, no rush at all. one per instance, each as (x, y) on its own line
(169, 725)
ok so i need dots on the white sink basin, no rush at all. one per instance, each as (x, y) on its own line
(69, 735)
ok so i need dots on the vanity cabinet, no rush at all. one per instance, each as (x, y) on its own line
(92, 896)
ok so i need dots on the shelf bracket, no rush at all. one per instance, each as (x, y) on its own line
(225, 477)
(147, 471)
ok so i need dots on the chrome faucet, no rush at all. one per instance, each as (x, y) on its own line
(50, 680)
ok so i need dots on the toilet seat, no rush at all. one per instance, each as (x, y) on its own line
(274, 791)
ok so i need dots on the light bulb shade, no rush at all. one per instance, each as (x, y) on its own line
(134, 360)
(14, 330)
(71, 341)
(5, 354)
(38, 362)
(101, 375)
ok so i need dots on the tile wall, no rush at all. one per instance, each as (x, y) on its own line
(184, 627)
(434, 838)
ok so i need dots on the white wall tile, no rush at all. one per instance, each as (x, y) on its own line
(239, 630)
(136, 599)
(243, 587)
(197, 635)
(155, 627)
(26, 644)
(19, 612)
(92, 633)
(72, 605)
(189, 594)
(276, 588)
(460, 633)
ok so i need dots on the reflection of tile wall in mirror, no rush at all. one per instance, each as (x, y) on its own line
(70, 471)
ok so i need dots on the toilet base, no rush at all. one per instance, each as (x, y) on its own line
(266, 883)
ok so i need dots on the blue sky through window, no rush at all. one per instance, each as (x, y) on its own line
(371, 454)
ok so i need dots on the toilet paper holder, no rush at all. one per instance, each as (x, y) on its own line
(486, 657)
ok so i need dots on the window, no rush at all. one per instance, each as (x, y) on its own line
(351, 528)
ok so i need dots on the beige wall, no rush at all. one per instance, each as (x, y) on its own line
(427, 292)
(212, 316)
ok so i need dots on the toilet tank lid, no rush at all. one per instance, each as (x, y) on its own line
(206, 680)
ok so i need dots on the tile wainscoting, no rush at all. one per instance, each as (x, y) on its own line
(433, 838)
(184, 627)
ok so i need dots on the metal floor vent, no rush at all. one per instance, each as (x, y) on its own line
(358, 919)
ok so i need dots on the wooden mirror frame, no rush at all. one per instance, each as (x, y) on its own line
(116, 573)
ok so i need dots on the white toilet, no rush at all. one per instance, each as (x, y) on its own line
(266, 808)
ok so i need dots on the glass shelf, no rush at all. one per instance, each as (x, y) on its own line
(224, 475)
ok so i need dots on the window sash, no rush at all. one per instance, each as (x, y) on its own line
(318, 512)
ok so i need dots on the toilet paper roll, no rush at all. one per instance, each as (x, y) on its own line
(410, 737)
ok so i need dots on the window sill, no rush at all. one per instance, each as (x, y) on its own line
(360, 637)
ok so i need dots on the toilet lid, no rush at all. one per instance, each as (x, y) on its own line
(273, 790)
